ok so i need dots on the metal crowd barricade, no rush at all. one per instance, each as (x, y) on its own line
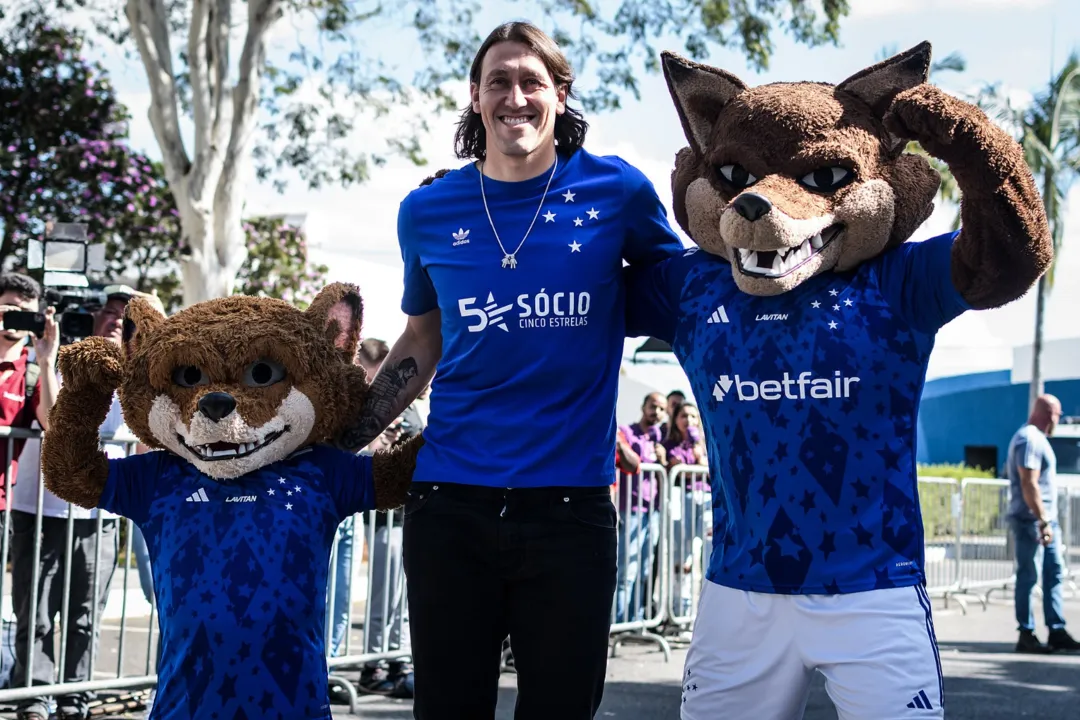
(689, 535)
(120, 665)
(987, 558)
(939, 502)
(641, 591)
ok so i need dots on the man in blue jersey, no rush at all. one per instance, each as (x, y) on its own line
(805, 322)
(513, 289)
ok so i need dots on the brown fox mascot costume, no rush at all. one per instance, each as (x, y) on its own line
(805, 328)
(240, 504)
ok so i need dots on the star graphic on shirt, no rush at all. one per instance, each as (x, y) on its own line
(577, 222)
(828, 544)
(270, 491)
(296, 488)
(848, 302)
(834, 293)
(288, 493)
(898, 521)
(592, 213)
(788, 546)
(549, 216)
(861, 489)
(575, 246)
(864, 536)
(835, 307)
(832, 325)
(807, 501)
(569, 196)
(815, 304)
(288, 506)
(281, 480)
(756, 554)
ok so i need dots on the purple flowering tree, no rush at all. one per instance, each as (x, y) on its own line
(277, 263)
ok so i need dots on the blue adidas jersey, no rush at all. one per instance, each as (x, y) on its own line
(524, 394)
(809, 400)
(240, 574)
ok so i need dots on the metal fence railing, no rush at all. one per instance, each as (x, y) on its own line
(664, 542)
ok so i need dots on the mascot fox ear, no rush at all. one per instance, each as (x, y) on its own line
(140, 318)
(700, 92)
(879, 84)
(339, 312)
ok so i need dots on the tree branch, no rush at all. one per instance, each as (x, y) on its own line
(220, 22)
(149, 26)
(198, 52)
(245, 96)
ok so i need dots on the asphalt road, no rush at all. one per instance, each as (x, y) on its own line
(984, 679)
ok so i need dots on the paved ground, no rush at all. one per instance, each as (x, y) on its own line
(985, 680)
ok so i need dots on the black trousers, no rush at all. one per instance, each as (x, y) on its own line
(81, 633)
(537, 564)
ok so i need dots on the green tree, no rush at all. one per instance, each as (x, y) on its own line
(263, 111)
(1048, 129)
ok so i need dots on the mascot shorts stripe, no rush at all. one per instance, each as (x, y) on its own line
(754, 655)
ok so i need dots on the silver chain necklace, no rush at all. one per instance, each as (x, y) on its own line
(510, 259)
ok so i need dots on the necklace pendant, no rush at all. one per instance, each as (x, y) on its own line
(509, 261)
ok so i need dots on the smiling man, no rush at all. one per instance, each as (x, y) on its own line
(513, 288)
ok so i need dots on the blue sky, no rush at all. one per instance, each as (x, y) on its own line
(1014, 42)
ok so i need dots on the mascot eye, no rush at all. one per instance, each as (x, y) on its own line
(262, 373)
(189, 376)
(737, 175)
(828, 178)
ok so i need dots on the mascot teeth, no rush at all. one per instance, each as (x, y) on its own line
(227, 450)
(775, 263)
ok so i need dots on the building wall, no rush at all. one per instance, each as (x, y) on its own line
(979, 409)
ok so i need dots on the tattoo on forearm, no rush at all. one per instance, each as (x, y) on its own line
(379, 406)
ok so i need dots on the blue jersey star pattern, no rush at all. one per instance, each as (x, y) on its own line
(524, 394)
(809, 400)
(240, 573)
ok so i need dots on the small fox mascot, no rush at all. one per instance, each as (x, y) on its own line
(804, 320)
(240, 504)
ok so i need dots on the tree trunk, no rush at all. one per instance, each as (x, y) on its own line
(214, 241)
(1036, 388)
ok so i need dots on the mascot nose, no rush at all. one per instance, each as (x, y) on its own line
(752, 206)
(216, 405)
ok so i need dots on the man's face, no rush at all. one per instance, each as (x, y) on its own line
(1055, 415)
(109, 320)
(673, 403)
(517, 100)
(650, 411)
(13, 301)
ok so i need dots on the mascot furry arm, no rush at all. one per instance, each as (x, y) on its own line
(1004, 244)
(75, 468)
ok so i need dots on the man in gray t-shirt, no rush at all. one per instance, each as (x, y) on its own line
(1031, 466)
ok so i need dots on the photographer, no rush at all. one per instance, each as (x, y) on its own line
(27, 389)
(55, 555)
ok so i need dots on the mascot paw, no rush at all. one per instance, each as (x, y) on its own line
(393, 470)
(929, 115)
(91, 363)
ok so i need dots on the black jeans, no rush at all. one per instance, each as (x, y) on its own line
(538, 564)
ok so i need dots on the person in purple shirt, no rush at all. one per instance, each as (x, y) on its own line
(685, 445)
(639, 529)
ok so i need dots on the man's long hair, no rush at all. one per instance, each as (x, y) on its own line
(470, 140)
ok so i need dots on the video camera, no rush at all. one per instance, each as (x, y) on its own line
(60, 263)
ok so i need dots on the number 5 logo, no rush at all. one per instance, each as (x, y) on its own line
(466, 311)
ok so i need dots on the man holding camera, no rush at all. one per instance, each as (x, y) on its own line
(27, 389)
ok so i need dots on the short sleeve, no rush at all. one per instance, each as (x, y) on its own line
(1029, 453)
(916, 280)
(652, 300)
(649, 236)
(131, 484)
(419, 295)
(351, 480)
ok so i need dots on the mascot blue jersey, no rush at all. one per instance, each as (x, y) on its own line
(524, 394)
(240, 569)
(809, 401)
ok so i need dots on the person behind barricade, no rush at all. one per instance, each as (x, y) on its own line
(1033, 520)
(86, 564)
(690, 501)
(675, 399)
(639, 529)
(512, 266)
(26, 393)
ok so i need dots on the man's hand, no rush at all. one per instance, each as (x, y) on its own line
(1046, 533)
(46, 346)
